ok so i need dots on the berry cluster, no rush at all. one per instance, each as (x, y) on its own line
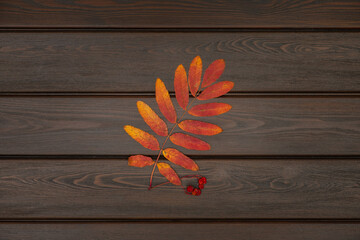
(191, 190)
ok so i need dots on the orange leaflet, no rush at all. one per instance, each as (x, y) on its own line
(169, 173)
(213, 72)
(195, 71)
(216, 90)
(181, 87)
(200, 128)
(140, 161)
(209, 109)
(178, 158)
(189, 142)
(164, 101)
(142, 137)
(152, 119)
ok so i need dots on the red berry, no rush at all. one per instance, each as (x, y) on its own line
(201, 186)
(196, 192)
(190, 189)
(202, 180)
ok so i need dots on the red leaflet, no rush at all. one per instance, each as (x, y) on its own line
(209, 109)
(152, 119)
(189, 142)
(177, 157)
(213, 72)
(169, 173)
(195, 75)
(142, 137)
(200, 128)
(181, 87)
(216, 90)
(164, 101)
(140, 161)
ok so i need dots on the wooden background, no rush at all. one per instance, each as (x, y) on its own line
(287, 165)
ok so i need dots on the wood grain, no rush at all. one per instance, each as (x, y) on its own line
(131, 62)
(180, 14)
(254, 126)
(236, 189)
(209, 231)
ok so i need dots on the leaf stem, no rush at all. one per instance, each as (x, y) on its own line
(172, 129)
(187, 176)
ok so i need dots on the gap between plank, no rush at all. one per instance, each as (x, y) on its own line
(116, 29)
(196, 157)
(172, 94)
(161, 221)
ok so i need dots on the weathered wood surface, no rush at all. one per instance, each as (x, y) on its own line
(239, 189)
(254, 126)
(130, 62)
(170, 231)
(180, 14)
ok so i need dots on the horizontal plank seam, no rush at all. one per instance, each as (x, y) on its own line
(207, 220)
(197, 157)
(172, 94)
(175, 29)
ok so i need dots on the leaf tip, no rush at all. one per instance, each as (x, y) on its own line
(195, 168)
(220, 130)
(197, 61)
(197, 58)
(158, 81)
(180, 67)
(221, 62)
(139, 104)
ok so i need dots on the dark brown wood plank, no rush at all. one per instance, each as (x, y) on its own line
(128, 62)
(210, 231)
(236, 189)
(183, 14)
(254, 126)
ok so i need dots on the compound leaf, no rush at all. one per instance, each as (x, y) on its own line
(178, 158)
(189, 142)
(145, 139)
(181, 87)
(209, 109)
(152, 119)
(169, 173)
(216, 90)
(140, 161)
(164, 101)
(200, 128)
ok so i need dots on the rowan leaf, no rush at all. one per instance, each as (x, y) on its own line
(200, 128)
(178, 158)
(145, 139)
(152, 119)
(163, 100)
(169, 173)
(216, 90)
(209, 109)
(189, 142)
(195, 71)
(202, 89)
(213, 72)
(140, 161)
(181, 87)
